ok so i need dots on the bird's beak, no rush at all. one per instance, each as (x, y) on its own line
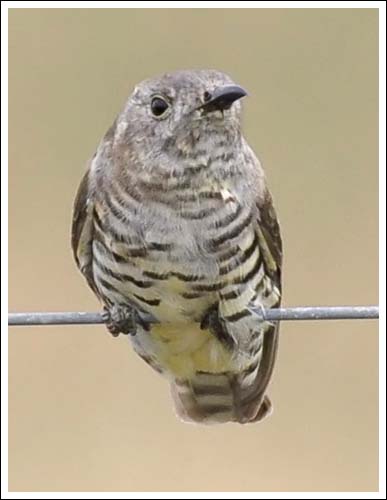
(223, 97)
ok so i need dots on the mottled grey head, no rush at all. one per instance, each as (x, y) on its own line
(178, 113)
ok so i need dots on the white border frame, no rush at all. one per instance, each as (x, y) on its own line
(382, 243)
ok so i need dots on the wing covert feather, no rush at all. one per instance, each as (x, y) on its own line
(82, 231)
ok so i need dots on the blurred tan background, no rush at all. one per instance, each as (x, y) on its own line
(84, 412)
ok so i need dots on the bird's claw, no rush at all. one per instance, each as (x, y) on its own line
(120, 319)
(259, 311)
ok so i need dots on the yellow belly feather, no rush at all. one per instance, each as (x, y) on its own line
(183, 349)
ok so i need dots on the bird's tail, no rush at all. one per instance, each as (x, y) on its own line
(210, 398)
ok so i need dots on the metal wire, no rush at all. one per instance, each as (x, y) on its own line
(283, 314)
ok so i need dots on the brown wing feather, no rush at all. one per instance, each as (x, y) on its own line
(254, 404)
(82, 230)
(270, 239)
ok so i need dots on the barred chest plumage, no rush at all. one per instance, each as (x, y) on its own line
(171, 235)
(174, 247)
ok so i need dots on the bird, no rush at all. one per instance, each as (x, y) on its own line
(175, 231)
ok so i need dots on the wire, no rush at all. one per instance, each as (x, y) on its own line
(283, 314)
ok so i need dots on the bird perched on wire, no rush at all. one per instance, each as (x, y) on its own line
(175, 231)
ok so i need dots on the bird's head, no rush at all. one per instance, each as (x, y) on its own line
(180, 113)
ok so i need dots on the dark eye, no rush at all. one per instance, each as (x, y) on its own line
(159, 106)
(207, 96)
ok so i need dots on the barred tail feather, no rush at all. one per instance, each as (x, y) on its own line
(217, 398)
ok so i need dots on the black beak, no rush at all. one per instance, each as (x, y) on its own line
(222, 98)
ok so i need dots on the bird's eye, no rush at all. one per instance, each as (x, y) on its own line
(159, 106)
(207, 96)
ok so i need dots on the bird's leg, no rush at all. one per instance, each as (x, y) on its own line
(121, 319)
(214, 323)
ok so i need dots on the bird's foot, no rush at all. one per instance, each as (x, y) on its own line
(213, 322)
(259, 311)
(121, 319)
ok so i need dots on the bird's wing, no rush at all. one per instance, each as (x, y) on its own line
(269, 237)
(254, 404)
(82, 230)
